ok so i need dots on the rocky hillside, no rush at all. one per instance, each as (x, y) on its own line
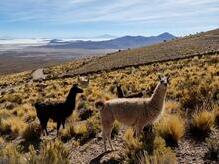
(198, 44)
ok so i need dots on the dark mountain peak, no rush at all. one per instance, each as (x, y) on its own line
(129, 36)
(166, 35)
(123, 42)
(55, 41)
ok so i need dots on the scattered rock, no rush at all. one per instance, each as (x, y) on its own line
(38, 75)
(9, 105)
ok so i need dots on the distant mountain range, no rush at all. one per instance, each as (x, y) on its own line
(117, 43)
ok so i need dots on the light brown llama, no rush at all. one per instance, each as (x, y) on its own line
(135, 112)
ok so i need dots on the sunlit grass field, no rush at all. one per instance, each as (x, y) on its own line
(191, 107)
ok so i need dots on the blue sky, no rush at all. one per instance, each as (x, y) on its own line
(87, 18)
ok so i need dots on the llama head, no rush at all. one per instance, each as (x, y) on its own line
(164, 80)
(72, 93)
(76, 89)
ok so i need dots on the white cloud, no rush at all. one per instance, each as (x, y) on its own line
(73, 11)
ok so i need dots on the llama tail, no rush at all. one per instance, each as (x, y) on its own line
(100, 104)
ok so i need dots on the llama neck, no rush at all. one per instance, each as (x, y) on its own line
(70, 100)
(158, 97)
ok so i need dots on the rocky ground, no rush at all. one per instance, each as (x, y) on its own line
(93, 151)
(189, 151)
(193, 151)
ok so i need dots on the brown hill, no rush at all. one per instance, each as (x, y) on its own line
(198, 44)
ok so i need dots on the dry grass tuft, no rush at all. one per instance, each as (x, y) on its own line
(12, 125)
(115, 130)
(132, 142)
(133, 145)
(32, 132)
(14, 98)
(172, 107)
(157, 158)
(81, 132)
(216, 113)
(51, 152)
(171, 128)
(81, 129)
(160, 153)
(11, 155)
(202, 122)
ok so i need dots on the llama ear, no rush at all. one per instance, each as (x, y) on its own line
(75, 85)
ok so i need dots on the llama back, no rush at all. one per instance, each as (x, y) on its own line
(126, 110)
(43, 110)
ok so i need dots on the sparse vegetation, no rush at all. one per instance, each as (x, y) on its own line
(183, 110)
(213, 149)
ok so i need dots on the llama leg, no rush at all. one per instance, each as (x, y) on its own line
(41, 127)
(104, 140)
(58, 126)
(138, 131)
(107, 125)
(44, 130)
(63, 124)
(109, 139)
(46, 121)
(44, 127)
(107, 129)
